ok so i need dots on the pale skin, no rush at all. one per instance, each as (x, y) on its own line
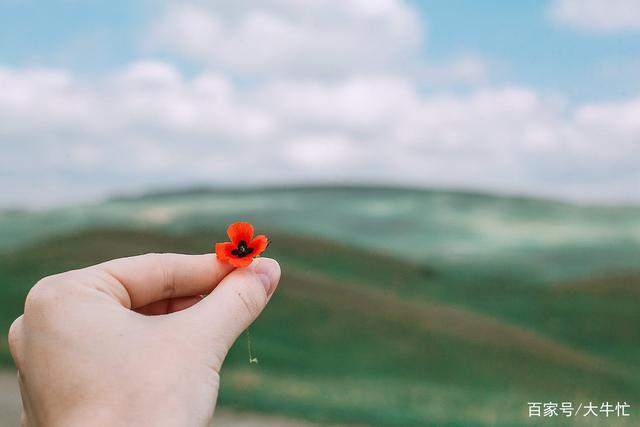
(133, 341)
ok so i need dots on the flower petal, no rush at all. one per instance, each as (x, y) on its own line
(259, 244)
(240, 231)
(223, 251)
(240, 262)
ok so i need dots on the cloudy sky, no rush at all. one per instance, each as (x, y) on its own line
(530, 97)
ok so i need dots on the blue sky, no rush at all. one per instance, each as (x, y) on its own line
(534, 97)
(533, 49)
(103, 34)
(518, 36)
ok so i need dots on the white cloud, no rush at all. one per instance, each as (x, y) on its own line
(308, 39)
(148, 125)
(461, 69)
(292, 37)
(359, 104)
(597, 15)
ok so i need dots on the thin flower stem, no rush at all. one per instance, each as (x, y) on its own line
(251, 358)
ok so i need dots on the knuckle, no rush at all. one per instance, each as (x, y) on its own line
(14, 337)
(249, 303)
(42, 294)
(252, 302)
(161, 261)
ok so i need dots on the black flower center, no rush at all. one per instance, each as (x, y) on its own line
(242, 250)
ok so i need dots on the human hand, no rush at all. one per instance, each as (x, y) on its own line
(132, 341)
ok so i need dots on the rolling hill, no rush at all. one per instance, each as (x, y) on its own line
(396, 307)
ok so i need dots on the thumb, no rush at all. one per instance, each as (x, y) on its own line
(235, 302)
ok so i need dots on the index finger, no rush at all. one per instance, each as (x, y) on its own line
(154, 277)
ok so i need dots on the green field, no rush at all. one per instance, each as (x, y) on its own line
(396, 307)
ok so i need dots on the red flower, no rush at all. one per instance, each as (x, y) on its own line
(243, 246)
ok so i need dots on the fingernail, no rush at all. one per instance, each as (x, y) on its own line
(268, 271)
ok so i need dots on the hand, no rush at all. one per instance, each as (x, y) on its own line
(132, 341)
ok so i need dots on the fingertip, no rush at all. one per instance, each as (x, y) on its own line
(268, 271)
(236, 302)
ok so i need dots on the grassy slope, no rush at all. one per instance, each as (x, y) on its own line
(354, 336)
(417, 225)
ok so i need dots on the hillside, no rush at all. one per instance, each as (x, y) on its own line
(443, 225)
(386, 314)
